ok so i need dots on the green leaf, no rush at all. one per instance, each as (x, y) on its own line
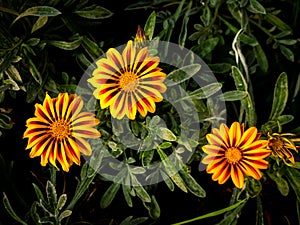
(165, 145)
(192, 184)
(129, 221)
(182, 74)
(61, 201)
(126, 192)
(293, 176)
(239, 80)
(256, 7)
(97, 12)
(168, 181)
(33, 41)
(241, 85)
(232, 217)
(153, 208)
(166, 134)
(150, 25)
(10, 210)
(233, 95)
(287, 53)
(50, 85)
(40, 22)
(33, 212)
(220, 67)
(274, 20)
(284, 119)
(287, 41)
(91, 48)
(38, 193)
(137, 170)
(206, 46)
(204, 92)
(259, 212)
(261, 58)
(142, 193)
(34, 71)
(171, 170)
(184, 26)
(254, 187)
(64, 214)
(147, 156)
(14, 73)
(239, 205)
(5, 121)
(66, 45)
(39, 11)
(109, 195)
(51, 194)
(280, 96)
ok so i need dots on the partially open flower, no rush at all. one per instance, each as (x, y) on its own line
(233, 152)
(140, 40)
(59, 129)
(283, 146)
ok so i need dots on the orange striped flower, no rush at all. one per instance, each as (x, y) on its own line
(233, 152)
(128, 82)
(59, 129)
(282, 146)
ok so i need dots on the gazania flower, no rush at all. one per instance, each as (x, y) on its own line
(283, 147)
(233, 152)
(128, 82)
(140, 38)
(59, 129)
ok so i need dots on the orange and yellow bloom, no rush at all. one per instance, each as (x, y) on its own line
(233, 152)
(282, 147)
(59, 129)
(128, 82)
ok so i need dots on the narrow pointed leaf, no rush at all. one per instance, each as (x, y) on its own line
(287, 53)
(280, 96)
(51, 194)
(64, 214)
(96, 13)
(66, 45)
(233, 95)
(182, 74)
(109, 195)
(126, 193)
(192, 184)
(39, 11)
(256, 7)
(41, 21)
(153, 208)
(10, 210)
(150, 25)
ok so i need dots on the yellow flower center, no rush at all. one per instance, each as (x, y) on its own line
(60, 129)
(233, 155)
(128, 81)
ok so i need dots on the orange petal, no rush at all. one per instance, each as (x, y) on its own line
(117, 109)
(213, 150)
(224, 175)
(237, 176)
(61, 156)
(115, 59)
(248, 137)
(234, 134)
(83, 146)
(250, 171)
(214, 140)
(129, 54)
